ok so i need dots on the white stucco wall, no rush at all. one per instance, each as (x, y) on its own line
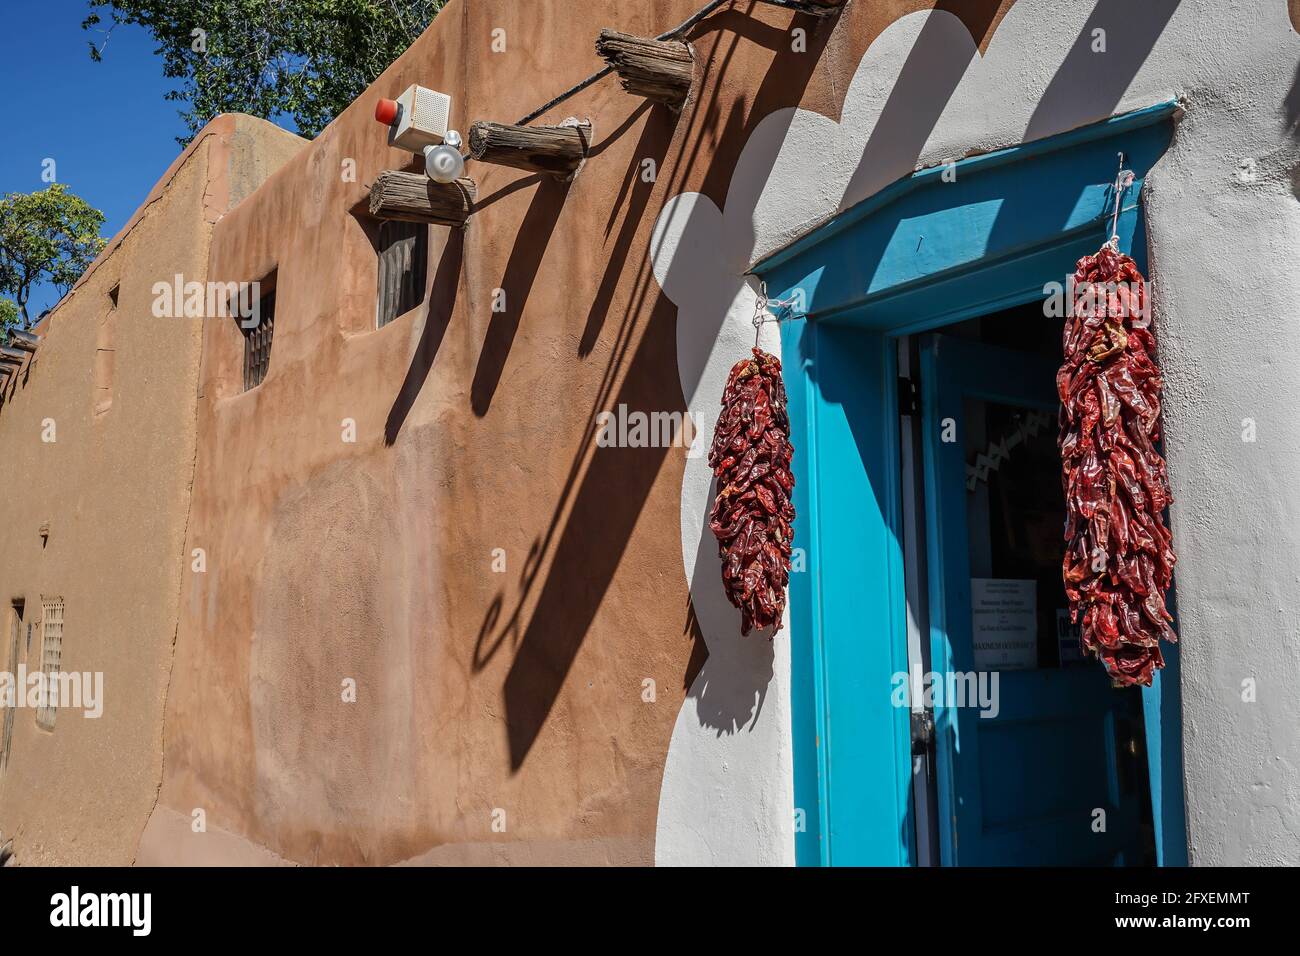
(1224, 228)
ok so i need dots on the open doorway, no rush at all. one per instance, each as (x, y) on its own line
(1036, 759)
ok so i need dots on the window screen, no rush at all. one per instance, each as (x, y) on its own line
(257, 342)
(51, 656)
(403, 261)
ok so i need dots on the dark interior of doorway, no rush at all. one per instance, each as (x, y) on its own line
(1024, 519)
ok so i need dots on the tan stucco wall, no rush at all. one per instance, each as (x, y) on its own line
(114, 489)
(372, 561)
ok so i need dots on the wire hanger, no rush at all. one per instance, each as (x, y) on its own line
(763, 310)
(1123, 179)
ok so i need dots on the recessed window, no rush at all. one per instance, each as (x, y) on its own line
(257, 341)
(51, 658)
(15, 632)
(403, 263)
(112, 294)
(105, 360)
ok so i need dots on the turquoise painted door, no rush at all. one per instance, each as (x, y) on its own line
(1039, 758)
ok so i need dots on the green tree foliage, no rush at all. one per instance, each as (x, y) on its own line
(9, 315)
(296, 60)
(46, 236)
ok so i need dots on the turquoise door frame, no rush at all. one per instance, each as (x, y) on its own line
(945, 244)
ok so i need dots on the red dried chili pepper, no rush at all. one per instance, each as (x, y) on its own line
(752, 514)
(1119, 561)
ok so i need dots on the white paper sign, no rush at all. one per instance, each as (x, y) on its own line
(1004, 623)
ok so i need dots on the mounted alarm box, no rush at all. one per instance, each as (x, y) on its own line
(416, 119)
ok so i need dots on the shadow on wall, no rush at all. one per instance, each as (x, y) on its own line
(1080, 93)
(728, 674)
(605, 510)
(521, 271)
(1291, 113)
(783, 85)
(605, 505)
(442, 303)
(928, 78)
(651, 145)
(1291, 106)
(586, 549)
(1089, 85)
(729, 697)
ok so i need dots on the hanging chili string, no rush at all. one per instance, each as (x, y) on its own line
(1119, 558)
(752, 514)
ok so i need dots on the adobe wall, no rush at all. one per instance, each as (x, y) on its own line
(477, 691)
(500, 716)
(97, 437)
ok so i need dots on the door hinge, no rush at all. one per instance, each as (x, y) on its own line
(909, 397)
(922, 733)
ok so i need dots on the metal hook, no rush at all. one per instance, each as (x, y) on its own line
(763, 310)
(1123, 179)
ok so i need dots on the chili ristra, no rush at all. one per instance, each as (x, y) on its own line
(1119, 558)
(752, 514)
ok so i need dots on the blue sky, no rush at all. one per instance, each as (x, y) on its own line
(106, 125)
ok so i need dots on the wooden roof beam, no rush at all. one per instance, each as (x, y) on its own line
(659, 70)
(414, 197)
(554, 150)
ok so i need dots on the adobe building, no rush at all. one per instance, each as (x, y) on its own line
(97, 438)
(366, 587)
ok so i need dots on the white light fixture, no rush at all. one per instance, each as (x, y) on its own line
(444, 163)
(417, 121)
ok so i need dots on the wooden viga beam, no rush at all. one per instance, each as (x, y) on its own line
(20, 339)
(659, 70)
(554, 150)
(12, 356)
(414, 197)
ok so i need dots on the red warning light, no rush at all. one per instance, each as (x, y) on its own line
(386, 111)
